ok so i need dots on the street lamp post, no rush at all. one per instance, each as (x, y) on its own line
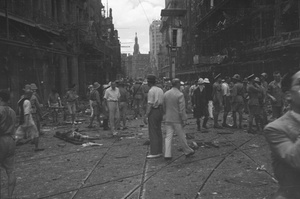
(175, 35)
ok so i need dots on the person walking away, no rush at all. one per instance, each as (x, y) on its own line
(124, 100)
(138, 97)
(27, 127)
(226, 100)
(175, 119)
(200, 105)
(237, 100)
(7, 143)
(72, 100)
(53, 103)
(217, 99)
(96, 104)
(36, 107)
(111, 97)
(208, 88)
(276, 95)
(254, 108)
(154, 116)
(264, 85)
(283, 137)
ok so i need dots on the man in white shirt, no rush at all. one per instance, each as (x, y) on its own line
(226, 100)
(111, 97)
(154, 114)
(27, 126)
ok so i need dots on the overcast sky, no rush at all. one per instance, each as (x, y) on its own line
(134, 16)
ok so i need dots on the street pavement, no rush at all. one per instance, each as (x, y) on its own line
(228, 163)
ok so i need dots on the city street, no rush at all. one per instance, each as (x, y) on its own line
(229, 163)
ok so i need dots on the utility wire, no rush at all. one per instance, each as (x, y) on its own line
(144, 12)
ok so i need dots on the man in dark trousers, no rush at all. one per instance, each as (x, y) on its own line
(283, 136)
(154, 116)
(200, 104)
(7, 143)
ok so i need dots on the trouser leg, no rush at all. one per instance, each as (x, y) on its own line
(168, 140)
(155, 133)
(182, 138)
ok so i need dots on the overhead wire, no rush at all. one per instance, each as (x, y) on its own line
(144, 11)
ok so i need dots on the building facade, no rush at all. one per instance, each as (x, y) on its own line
(155, 39)
(239, 36)
(56, 43)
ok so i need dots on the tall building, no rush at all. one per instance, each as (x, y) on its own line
(140, 62)
(155, 39)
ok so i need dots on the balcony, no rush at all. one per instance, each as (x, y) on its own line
(274, 43)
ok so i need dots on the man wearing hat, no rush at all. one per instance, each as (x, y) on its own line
(176, 118)
(96, 104)
(208, 88)
(72, 99)
(36, 107)
(138, 97)
(7, 143)
(200, 104)
(154, 116)
(254, 91)
(217, 99)
(27, 126)
(237, 100)
(226, 87)
(112, 97)
(91, 88)
(276, 95)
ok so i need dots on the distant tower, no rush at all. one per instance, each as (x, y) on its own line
(136, 46)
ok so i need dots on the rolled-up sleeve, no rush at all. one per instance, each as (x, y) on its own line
(283, 147)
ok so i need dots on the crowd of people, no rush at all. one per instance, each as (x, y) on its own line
(155, 101)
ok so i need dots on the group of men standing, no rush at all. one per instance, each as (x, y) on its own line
(250, 95)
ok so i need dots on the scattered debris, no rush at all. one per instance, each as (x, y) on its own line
(254, 146)
(261, 168)
(74, 137)
(147, 142)
(91, 144)
(225, 132)
(61, 145)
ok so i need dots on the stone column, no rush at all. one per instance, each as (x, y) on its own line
(63, 68)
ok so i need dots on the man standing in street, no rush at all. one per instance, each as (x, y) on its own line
(200, 104)
(138, 97)
(154, 116)
(237, 100)
(96, 104)
(124, 99)
(36, 112)
(226, 100)
(208, 89)
(254, 91)
(276, 95)
(283, 136)
(217, 99)
(176, 118)
(112, 96)
(72, 101)
(7, 143)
